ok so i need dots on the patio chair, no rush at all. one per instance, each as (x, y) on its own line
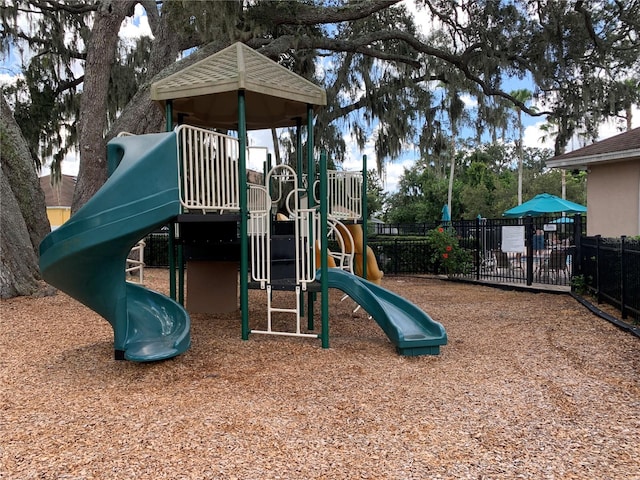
(558, 263)
(554, 264)
(502, 261)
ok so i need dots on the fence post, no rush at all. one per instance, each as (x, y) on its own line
(396, 256)
(477, 247)
(576, 261)
(528, 233)
(598, 294)
(623, 275)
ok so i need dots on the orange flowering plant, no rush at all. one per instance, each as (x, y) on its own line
(446, 254)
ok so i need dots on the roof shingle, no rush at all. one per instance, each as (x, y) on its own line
(62, 194)
(619, 143)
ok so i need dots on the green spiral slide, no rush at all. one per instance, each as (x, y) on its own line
(86, 256)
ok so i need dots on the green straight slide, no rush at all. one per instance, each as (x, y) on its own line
(411, 330)
(86, 257)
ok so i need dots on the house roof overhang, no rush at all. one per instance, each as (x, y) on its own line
(620, 148)
(206, 93)
(583, 162)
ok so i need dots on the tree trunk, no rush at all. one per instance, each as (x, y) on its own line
(141, 115)
(452, 169)
(276, 146)
(101, 51)
(23, 216)
(520, 156)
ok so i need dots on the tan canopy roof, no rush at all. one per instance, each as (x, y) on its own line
(207, 91)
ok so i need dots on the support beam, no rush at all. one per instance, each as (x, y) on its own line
(365, 214)
(244, 216)
(324, 248)
(172, 232)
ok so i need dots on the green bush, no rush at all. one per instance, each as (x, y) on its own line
(446, 254)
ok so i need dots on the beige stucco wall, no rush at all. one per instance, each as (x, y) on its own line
(613, 199)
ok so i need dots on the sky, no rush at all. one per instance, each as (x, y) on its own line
(137, 26)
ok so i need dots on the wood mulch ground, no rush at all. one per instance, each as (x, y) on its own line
(530, 386)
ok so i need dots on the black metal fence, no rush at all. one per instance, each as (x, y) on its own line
(610, 269)
(533, 250)
(402, 256)
(156, 250)
(526, 251)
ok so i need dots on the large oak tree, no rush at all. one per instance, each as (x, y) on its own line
(23, 217)
(380, 65)
(81, 84)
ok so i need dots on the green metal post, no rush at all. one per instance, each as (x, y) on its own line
(365, 214)
(310, 165)
(180, 261)
(299, 159)
(172, 232)
(172, 260)
(244, 215)
(324, 246)
(179, 246)
(267, 170)
(180, 274)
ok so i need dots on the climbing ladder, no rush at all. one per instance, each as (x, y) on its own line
(283, 260)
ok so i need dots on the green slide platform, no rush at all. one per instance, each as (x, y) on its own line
(86, 256)
(410, 329)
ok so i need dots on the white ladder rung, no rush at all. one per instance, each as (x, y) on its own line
(296, 311)
(286, 334)
(284, 310)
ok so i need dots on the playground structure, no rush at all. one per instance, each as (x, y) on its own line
(194, 178)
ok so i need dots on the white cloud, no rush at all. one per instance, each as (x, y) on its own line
(469, 101)
(9, 78)
(69, 166)
(137, 26)
(534, 134)
(394, 171)
(423, 18)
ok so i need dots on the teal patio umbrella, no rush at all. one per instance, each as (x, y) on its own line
(563, 220)
(446, 216)
(544, 203)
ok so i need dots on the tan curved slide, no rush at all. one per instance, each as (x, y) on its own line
(374, 274)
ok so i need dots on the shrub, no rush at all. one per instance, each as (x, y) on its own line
(446, 254)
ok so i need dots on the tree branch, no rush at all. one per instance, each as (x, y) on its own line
(588, 23)
(362, 45)
(73, 8)
(312, 15)
(45, 42)
(63, 86)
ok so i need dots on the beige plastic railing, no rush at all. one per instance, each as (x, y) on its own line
(135, 261)
(209, 170)
(259, 236)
